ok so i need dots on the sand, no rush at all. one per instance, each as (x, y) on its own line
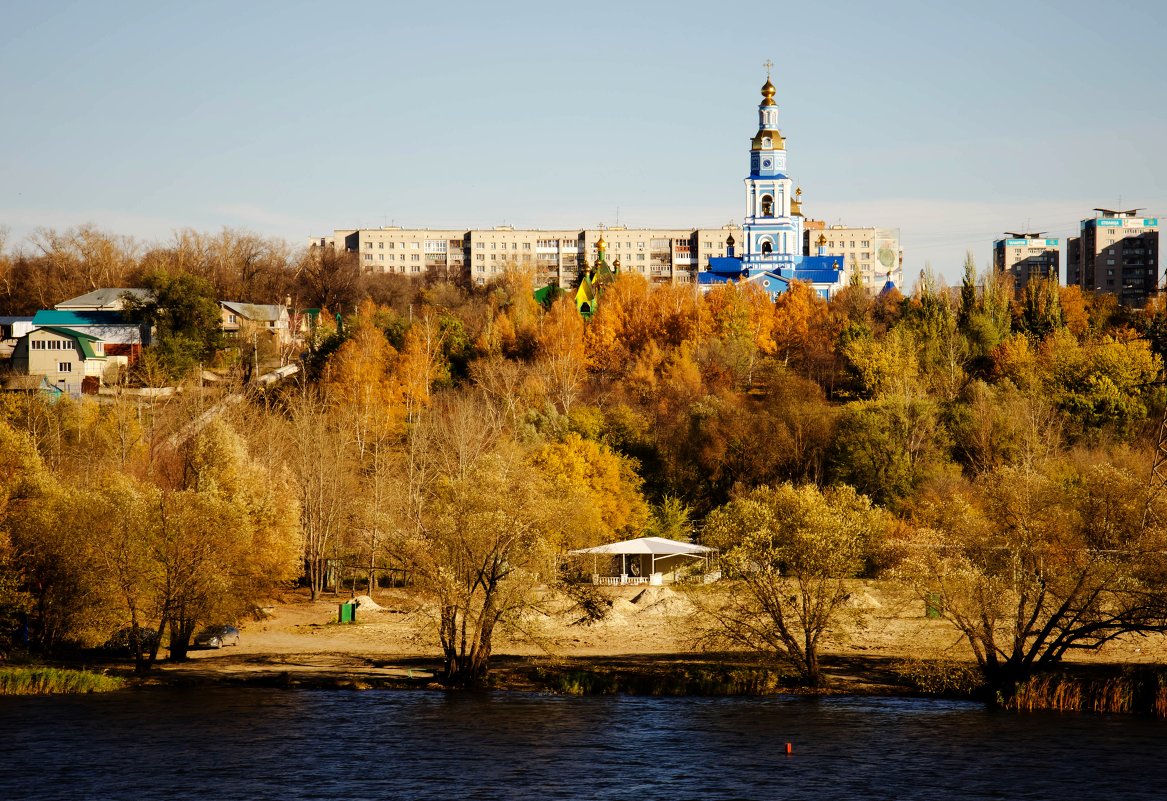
(395, 635)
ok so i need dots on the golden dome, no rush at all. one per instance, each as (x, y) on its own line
(798, 191)
(601, 244)
(822, 240)
(768, 93)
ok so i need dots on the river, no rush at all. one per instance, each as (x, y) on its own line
(246, 743)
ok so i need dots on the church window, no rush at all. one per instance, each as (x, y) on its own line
(767, 206)
(767, 247)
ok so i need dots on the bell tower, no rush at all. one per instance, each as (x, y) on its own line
(773, 235)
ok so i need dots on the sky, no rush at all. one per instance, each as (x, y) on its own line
(952, 122)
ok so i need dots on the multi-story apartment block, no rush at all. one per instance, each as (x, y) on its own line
(1025, 257)
(873, 253)
(1116, 252)
(661, 255)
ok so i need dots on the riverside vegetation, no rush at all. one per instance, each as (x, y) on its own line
(990, 452)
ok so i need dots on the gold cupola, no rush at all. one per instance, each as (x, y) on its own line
(796, 203)
(768, 91)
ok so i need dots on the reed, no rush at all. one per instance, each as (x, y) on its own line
(689, 680)
(35, 680)
(1137, 690)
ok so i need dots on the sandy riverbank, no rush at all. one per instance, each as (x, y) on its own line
(299, 642)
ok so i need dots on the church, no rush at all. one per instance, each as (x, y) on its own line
(771, 253)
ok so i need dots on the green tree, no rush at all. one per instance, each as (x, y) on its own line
(791, 548)
(186, 320)
(888, 448)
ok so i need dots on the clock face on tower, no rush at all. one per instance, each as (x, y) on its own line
(766, 163)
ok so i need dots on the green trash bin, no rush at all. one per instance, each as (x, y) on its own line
(347, 613)
(933, 606)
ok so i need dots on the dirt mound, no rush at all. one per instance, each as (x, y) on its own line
(863, 600)
(661, 601)
(366, 604)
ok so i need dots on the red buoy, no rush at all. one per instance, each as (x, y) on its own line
(789, 749)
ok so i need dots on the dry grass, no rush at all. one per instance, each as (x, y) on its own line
(49, 681)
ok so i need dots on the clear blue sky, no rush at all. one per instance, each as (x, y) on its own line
(952, 122)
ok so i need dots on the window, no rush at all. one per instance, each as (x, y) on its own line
(493, 246)
(368, 257)
(380, 245)
(479, 244)
(391, 245)
(480, 257)
(232, 319)
(64, 367)
(415, 257)
(640, 257)
(526, 246)
(413, 246)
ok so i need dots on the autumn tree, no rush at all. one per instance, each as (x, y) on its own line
(790, 550)
(606, 484)
(479, 541)
(1032, 562)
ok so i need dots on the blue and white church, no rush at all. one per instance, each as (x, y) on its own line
(772, 253)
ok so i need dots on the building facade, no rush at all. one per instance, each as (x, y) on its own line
(772, 237)
(872, 253)
(71, 361)
(1116, 252)
(1027, 257)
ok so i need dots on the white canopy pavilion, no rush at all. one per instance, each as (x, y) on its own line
(645, 560)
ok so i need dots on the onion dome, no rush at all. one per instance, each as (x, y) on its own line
(768, 91)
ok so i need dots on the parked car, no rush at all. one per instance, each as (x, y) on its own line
(217, 637)
(123, 641)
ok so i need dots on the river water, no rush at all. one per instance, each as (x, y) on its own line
(246, 743)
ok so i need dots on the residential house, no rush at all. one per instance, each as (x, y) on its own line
(72, 361)
(122, 337)
(106, 299)
(246, 318)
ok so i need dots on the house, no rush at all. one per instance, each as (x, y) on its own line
(238, 318)
(71, 361)
(106, 299)
(121, 337)
(12, 329)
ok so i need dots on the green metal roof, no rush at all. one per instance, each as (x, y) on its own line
(84, 341)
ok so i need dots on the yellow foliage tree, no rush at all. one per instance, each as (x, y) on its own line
(607, 480)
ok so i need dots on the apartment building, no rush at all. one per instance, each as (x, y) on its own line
(1027, 257)
(661, 255)
(874, 253)
(1116, 252)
